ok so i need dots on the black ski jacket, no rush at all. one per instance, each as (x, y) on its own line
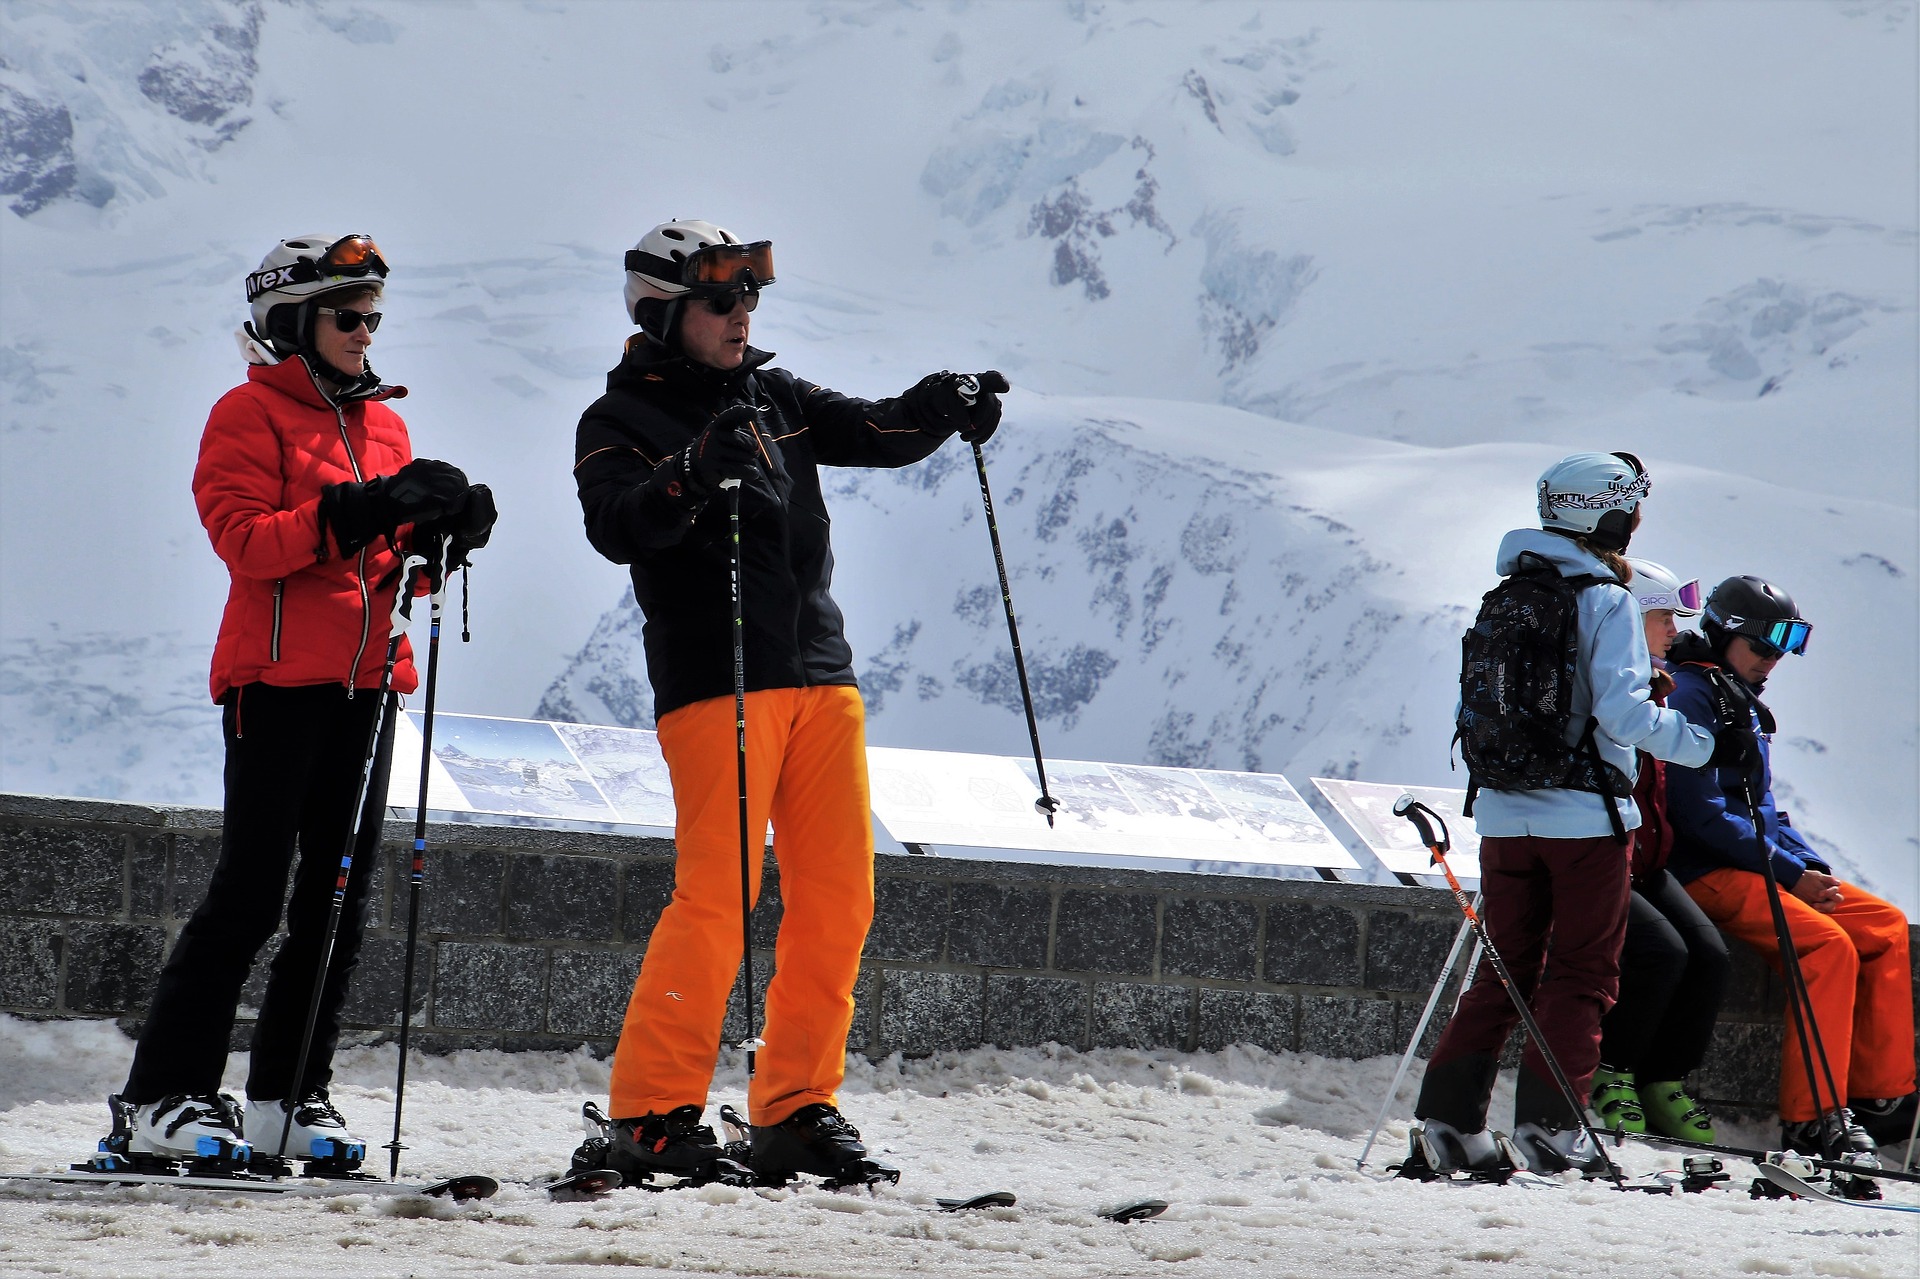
(642, 511)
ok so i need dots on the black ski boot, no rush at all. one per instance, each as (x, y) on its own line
(1836, 1135)
(659, 1151)
(816, 1140)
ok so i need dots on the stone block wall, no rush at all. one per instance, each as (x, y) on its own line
(532, 938)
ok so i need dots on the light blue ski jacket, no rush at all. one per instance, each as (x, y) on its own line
(1614, 690)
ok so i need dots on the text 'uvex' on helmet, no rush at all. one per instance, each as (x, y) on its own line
(304, 267)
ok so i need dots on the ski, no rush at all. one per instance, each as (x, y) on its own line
(1799, 1188)
(1766, 1156)
(992, 1199)
(583, 1184)
(1140, 1210)
(460, 1189)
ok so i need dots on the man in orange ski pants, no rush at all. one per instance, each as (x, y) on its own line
(1853, 947)
(691, 412)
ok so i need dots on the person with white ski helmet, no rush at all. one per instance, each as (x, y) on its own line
(1554, 819)
(1673, 963)
(309, 490)
(691, 407)
(1853, 947)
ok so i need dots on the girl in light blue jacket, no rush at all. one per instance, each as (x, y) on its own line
(1551, 863)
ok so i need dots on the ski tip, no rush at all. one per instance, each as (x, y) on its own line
(588, 1183)
(462, 1189)
(992, 1199)
(1139, 1211)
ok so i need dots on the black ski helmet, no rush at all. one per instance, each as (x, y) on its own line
(1757, 609)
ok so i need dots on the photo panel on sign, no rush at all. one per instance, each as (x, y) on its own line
(517, 767)
(403, 780)
(630, 771)
(1368, 808)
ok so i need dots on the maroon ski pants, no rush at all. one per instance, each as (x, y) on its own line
(1572, 893)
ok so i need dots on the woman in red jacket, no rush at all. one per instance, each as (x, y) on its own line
(307, 486)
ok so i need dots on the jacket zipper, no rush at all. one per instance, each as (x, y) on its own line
(366, 597)
(279, 595)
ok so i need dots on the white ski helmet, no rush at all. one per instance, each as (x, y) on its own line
(302, 268)
(1657, 586)
(1594, 495)
(689, 257)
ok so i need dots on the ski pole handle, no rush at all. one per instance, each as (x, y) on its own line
(1418, 813)
(967, 387)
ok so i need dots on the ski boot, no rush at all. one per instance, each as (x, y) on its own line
(1436, 1150)
(198, 1135)
(657, 1152)
(1836, 1135)
(1550, 1150)
(1671, 1113)
(1888, 1120)
(318, 1137)
(817, 1140)
(1616, 1102)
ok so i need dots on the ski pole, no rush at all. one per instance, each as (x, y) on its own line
(419, 872)
(1799, 1001)
(1417, 813)
(382, 715)
(968, 387)
(1413, 1044)
(752, 1043)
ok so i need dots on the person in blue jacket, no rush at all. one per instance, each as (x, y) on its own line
(1853, 947)
(1551, 864)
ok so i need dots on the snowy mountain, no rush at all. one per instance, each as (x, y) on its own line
(1299, 299)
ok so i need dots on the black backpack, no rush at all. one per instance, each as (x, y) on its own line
(1520, 663)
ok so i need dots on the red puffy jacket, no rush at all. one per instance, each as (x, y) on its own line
(298, 612)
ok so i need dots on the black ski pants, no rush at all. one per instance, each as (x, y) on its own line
(1673, 972)
(294, 762)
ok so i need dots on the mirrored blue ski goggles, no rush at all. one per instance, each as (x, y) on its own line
(1771, 640)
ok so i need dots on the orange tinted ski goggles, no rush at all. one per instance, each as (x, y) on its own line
(352, 256)
(717, 266)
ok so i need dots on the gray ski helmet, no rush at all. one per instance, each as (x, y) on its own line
(1757, 609)
(1594, 495)
(299, 269)
(1657, 586)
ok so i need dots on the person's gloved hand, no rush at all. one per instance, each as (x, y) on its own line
(725, 450)
(422, 490)
(466, 528)
(966, 404)
(1736, 747)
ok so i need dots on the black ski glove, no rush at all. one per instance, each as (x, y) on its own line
(966, 404)
(1737, 748)
(725, 450)
(422, 490)
(465, 528)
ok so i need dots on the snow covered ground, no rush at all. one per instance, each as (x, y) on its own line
(1254, 1151)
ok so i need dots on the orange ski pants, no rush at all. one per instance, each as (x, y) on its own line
(807, 769)
(1858, 981)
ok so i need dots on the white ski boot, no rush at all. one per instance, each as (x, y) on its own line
(1550, 1150)
(318, 1135)
(201, 1130)
(1437, 1149)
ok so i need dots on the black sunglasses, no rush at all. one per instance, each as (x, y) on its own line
(347, 320)
(723, 303)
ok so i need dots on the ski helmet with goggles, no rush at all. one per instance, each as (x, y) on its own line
(1657, 586)
(687, 258)
(300, 269)
(1594, 495)
(1760, 613)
